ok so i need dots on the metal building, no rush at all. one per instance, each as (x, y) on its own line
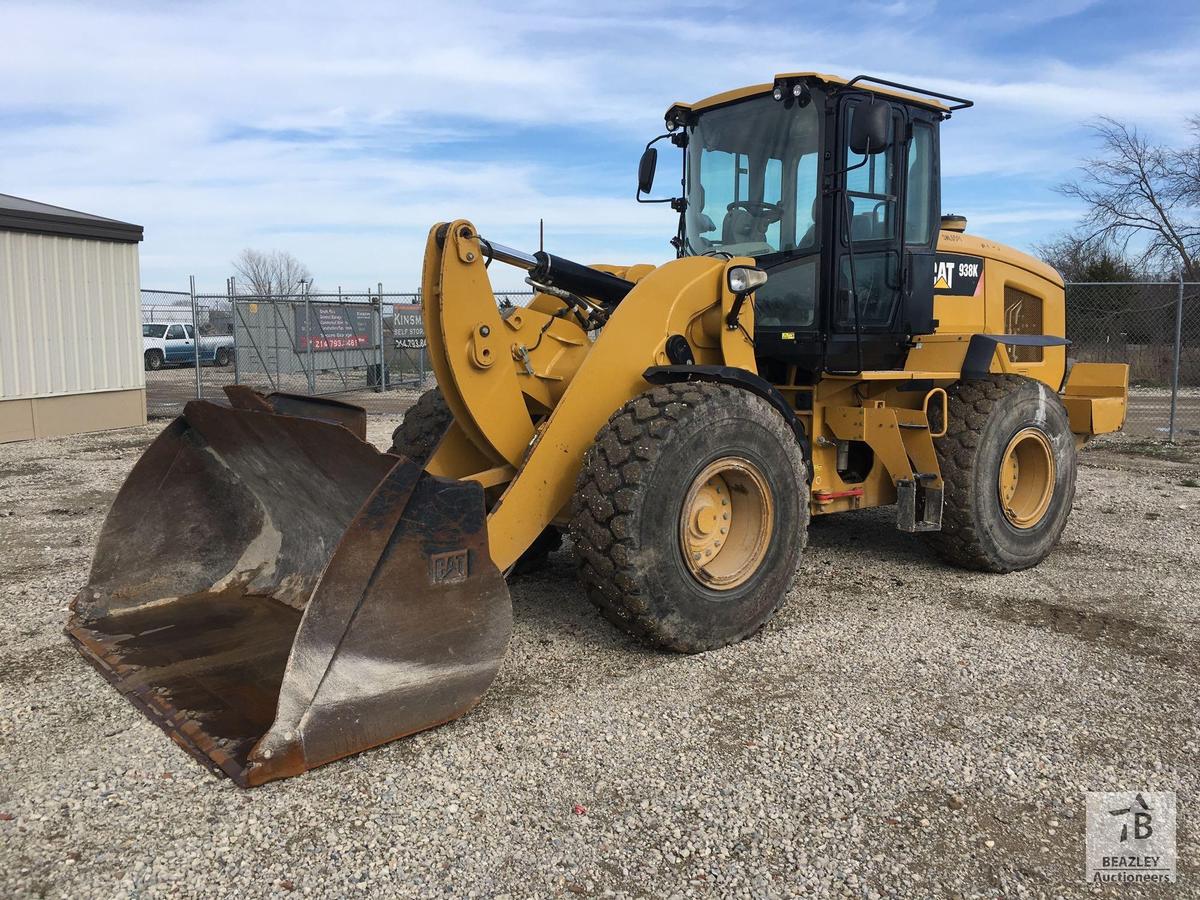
(70, 340)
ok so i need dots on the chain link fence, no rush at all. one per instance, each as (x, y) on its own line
(187, 347)
(1154, 327)
(370, 342)
(194, 344)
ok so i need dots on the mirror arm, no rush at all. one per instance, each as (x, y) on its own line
(839, 172)
(638, 194)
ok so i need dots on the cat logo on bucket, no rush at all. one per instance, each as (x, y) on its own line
(447, 568)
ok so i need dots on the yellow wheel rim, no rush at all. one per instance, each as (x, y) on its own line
(1027, 475)
(725, 525)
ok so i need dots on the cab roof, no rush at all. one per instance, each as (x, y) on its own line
(874, 86)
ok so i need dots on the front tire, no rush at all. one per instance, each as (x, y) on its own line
(418, 436)
(154, 360)
(1009, 464)
(690, 514)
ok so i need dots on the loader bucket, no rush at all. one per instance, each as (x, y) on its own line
(275, 593)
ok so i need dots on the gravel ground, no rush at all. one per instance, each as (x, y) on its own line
(900, 728)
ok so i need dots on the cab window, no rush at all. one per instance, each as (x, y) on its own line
(751, 178)
(789, 298)
(918, 211)
(875, 279)
(808, 199)
(175, 333)
(870, 184)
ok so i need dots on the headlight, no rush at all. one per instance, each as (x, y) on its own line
(743, 279)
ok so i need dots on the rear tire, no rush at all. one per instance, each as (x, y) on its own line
(223, 357)
(154, 360)
(652, 466)
(1009, 465)
(424, 426)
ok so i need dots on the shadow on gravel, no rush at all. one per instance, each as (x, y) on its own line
(873, 532)
(1110, 631)
(21, 470)
(560, 640)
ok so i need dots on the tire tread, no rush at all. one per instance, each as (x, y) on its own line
(609, 495)
(971, 404)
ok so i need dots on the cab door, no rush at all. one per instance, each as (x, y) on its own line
(178, 346)
(887, 217)
(868, 262)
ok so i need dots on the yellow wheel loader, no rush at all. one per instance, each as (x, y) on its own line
(825, 341)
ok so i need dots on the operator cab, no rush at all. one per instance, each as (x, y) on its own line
(832, 186)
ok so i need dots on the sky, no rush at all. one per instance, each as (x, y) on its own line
(341, 132)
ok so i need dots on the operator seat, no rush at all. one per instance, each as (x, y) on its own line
(742, 227)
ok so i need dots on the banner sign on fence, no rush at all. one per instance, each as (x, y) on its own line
(408, 326)
(333, 326)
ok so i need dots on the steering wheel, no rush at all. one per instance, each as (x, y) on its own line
(770, 213)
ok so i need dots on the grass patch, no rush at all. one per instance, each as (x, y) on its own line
(1156, 450)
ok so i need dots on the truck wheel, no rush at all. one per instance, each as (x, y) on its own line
(424, 426)
(1009, 464)
(154, 360)
(690, 514)
(223, 357)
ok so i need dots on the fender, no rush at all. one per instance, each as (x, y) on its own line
(738, 378)
(982, 349)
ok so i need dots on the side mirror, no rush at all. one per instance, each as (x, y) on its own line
(869, 127)
(646, 168)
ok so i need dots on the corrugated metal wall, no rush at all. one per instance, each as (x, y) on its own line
(69, 316)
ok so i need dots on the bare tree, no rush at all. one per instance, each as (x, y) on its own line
(274, 274)
(1143, 198)
(1079, 259)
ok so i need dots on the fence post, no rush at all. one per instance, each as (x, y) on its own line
(421, 364)
(229, 288)
(274, 301)
(195, 332)
(308, 330)
(380, 386)
(1175, 364)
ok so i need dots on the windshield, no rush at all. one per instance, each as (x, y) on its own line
(153, 331)
(752, 178)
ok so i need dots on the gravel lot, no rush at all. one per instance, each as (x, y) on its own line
(900, 728)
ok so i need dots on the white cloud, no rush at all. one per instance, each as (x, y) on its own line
(127, 109)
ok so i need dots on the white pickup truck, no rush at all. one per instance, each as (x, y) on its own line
(176, 344)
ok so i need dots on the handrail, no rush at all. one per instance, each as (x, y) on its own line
(961, 103)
